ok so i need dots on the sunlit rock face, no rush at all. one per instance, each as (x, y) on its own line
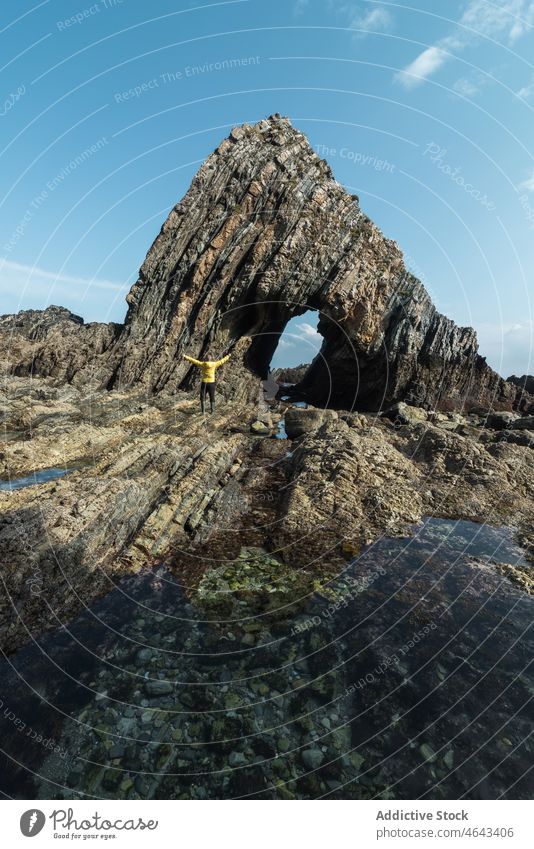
(266, 233)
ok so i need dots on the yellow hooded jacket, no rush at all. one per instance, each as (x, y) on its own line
(207, 367)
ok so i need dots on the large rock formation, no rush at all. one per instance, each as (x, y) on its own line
(263, 234)
(524, 392)
(52, 342)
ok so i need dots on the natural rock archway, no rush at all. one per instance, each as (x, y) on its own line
(263, 234)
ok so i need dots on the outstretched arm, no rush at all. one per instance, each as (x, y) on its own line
(222, 362)
(192, 360)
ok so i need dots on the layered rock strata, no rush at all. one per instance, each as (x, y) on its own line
(263, 234)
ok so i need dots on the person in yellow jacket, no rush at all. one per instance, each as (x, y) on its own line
(207, 384)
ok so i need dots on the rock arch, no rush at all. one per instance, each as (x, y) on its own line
(264, 233)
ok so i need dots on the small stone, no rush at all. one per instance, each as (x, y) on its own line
(427, 752)
(312, 758)
(356, 760)
(142, 786)
(260, 429)
(111, 778)
(158, 688)
(144, 655)
(231, 700)
(237, 759)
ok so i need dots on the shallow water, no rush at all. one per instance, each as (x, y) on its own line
(410, 677)
(281, 430)
(302, 404)
(43, 476)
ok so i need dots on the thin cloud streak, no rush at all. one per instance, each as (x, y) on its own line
(510, 20)
(34, 273)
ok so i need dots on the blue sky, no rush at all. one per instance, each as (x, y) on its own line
(423, 108)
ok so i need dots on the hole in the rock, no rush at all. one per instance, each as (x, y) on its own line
(297, 345)
(282, 334)
(284, 341)
(286, 335)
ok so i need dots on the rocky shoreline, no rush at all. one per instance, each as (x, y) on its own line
(150, 481)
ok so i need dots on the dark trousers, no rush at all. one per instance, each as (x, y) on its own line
(210, 389)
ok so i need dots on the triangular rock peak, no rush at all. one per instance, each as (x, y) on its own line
(263, 234)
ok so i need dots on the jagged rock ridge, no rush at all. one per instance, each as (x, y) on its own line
(263, 234)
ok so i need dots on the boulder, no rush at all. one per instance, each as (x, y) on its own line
(500, 421)
(312, 758)
(259, 428)
(404, 414)
(524, 438)
(158, 688)
(524, 423)
(299, 421)
(355, 420)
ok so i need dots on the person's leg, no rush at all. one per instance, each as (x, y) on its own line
(211, 390)
(203, 396)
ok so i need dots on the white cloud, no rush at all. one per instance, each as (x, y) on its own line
(528, 184)
(306, 331)
(509, 20)
(465, 87)
(527, 90)
(359, 16)
(372, 20)
(426, 64)
(284, 344)
(33, 274)
(27, 287)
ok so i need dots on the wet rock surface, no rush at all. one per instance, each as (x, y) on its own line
(406, 676)
(301, 421)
